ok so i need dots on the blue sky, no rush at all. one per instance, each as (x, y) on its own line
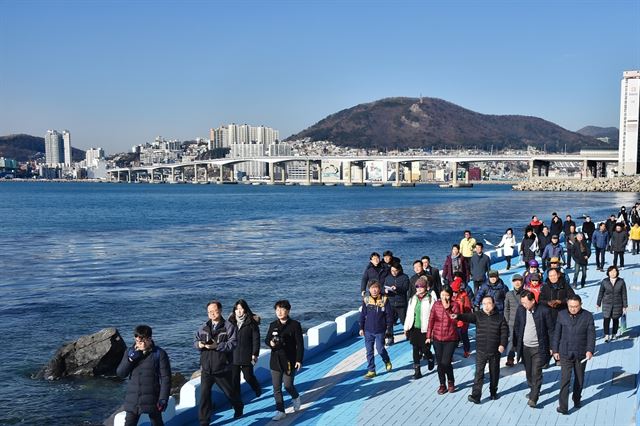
(119, 73)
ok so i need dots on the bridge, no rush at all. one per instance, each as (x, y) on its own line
(352, 168)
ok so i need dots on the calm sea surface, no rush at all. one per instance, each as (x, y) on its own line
(80, 257)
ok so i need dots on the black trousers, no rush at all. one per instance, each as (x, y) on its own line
(132, 419)
(249, 377)
(619, 254)
(600, 257)
(444, 355)
(477, 285)
(277, 378)
(605, 325)
(223, 380)
(493, 359)
(636, 246)
(420, 347)
(533, 362)
(399, 313)
(567, 367)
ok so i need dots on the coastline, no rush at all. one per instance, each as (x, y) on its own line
(617, 184)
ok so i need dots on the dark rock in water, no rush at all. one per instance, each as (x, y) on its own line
(177, 381)
(97, 354)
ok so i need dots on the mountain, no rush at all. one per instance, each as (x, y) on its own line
(23, 147)
(601, 132)
(401, 123)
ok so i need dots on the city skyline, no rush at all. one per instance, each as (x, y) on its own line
(119, 74)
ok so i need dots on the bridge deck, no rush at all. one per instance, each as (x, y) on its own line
(334, 392)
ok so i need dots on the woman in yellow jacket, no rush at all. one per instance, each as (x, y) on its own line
(634, 235)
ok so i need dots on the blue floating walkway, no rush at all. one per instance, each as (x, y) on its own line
(334, 392)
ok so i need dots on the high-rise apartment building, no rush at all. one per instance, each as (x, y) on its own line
(93, 156)
(53, 147)
(629, 148)
(66, 137)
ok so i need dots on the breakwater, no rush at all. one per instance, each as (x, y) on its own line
(615, 184)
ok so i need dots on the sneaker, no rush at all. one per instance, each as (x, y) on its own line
(388, 366)
(279, 416)
(531, 403)
(466, 354)
(370, 375)
(613, 337)
(442, 390)
(296, 404)
(607, 338)
(471, 398)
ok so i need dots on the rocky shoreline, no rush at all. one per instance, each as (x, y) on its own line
(614, 184)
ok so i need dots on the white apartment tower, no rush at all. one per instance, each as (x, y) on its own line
(629, 148)
(53, 149)
(66, 137)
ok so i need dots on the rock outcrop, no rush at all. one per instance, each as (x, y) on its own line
(618, 184)
(96, 354)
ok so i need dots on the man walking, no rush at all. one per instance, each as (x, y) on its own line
(284, 337)
(149, 371)
(216, 339)
(573, 343)
(533, 330)
(376, 320)
(601, 242)
(491, 338)
(480, 264)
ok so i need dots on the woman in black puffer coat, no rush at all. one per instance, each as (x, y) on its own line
(613, 299)
(245, 355)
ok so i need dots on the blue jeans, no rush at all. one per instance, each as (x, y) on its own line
(377, 338)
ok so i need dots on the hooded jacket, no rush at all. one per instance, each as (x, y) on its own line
(425, 310)
(376, 315)
(149, 380)
(498, 291)
(248, 339)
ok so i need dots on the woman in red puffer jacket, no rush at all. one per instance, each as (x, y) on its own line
(443, 333)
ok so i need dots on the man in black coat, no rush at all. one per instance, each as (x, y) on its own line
(435, 274)
(418, 272)
(568, 222)
(555, 292)
(284, 337)
(532, 332)
(216, 339)
(149, 371)
(573, 344)
(376, 270)
(492, 334)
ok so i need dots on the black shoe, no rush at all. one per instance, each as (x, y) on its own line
(577, 404)
(237, 412)
(561, 411)
(417, 373)
(471, 398)
(430, 364)
(258, 392)
(494, 397)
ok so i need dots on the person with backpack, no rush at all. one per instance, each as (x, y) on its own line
(149, 372)
(216, 340)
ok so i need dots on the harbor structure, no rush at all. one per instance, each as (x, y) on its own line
(629, 148)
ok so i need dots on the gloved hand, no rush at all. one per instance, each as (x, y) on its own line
(161, 405)
(134, 354)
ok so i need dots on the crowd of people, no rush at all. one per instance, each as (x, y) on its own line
(538, 319)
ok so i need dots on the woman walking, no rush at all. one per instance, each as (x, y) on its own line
(442, 332)
(613, 299)
(417, 322)
(508, 242)
(245, 355)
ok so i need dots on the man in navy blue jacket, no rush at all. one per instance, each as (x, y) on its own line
(376, 320)
(532, 332)
(573, 343)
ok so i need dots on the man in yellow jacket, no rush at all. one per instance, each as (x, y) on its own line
(467, 244)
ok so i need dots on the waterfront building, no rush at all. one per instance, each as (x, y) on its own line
(629, 148)
(66, 137)
(53, 147)
(93, 155)
(252, 169)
